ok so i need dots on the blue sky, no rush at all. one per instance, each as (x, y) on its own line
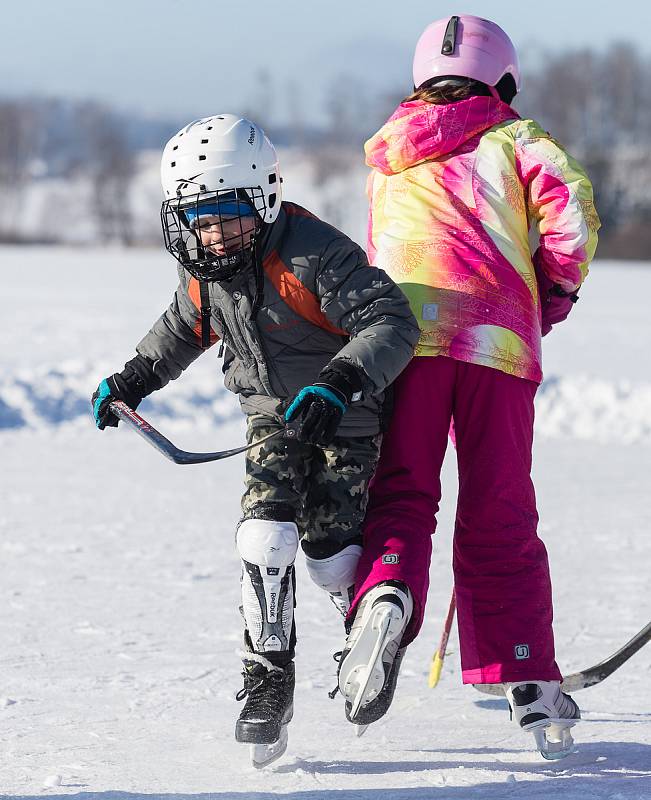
(190, 58)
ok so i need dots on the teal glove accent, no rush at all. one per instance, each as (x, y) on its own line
(320, 391)
(103, 391)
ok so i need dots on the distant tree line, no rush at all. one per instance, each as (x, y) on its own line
(83, 146)
(598, 104)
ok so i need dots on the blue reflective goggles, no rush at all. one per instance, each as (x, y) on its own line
(225, 208)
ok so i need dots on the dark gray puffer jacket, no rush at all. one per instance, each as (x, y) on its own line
(319, 300)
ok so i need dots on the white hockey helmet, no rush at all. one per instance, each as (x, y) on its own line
(220, 153)
(222, 165)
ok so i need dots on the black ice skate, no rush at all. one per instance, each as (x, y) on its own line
(542, 708)
(370, 662)
(269, 692)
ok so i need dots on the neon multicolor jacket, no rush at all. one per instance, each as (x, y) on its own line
(455, 192)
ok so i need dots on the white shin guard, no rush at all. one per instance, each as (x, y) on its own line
(268, 549)
(336, 575)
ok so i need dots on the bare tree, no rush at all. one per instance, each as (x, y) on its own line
(110, 165)
(18, 150)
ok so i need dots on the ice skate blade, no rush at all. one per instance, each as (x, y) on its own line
(264, 754)
(363, 681)
(554, 742)
(370, 677)
(360, 730)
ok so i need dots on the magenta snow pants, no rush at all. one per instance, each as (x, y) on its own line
(501, 571)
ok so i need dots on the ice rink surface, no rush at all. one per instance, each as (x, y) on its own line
(120, 582)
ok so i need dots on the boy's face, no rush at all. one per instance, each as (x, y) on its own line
(222, 235)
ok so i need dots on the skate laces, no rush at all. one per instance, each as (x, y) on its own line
(336, 657)
(265, 692)
(246, 690)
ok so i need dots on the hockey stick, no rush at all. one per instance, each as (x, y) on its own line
(164, 446)
(592, 675)
(439, 655)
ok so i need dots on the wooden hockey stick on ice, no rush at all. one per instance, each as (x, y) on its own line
(439, 655)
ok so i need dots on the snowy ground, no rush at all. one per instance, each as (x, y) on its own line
(119, 578)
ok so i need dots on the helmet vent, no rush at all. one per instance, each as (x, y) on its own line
(272, 177)
(202, 158)
(204, 141)
(176, 147)
(173, 164)
(450, 38)
(253, 166)
(272, 200)
(209, 128)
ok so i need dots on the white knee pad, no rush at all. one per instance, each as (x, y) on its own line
(336, 575)
(268, 549)
(267, 543)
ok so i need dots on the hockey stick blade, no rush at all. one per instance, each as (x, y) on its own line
(592, 675)
(164, 446)
(438, 657)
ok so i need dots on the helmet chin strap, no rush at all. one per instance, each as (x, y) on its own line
(225, 268)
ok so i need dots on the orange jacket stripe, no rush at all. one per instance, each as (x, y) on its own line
(298, 297)
(297, 211)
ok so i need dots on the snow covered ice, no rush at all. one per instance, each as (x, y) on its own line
(120, 578)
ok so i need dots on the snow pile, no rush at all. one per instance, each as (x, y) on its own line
(588, 408)
(52, 396)
(605, 411)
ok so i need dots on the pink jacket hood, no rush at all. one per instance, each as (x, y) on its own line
(419, 131)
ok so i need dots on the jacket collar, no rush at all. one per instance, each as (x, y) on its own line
(419, 131)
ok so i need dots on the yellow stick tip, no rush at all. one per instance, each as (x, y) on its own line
(435, 671)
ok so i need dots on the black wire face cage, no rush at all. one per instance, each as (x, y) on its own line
(213, 234)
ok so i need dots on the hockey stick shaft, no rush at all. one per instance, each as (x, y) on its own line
(169, 450)
(592, 675)
(439, 655)
(596, 674)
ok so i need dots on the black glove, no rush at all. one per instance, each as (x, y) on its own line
(135, 382)
(556, 307)
(313, 416)
(555, 302)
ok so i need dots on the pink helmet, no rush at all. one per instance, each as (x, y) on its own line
(468, 46)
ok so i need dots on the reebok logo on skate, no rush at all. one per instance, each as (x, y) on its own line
(391, 558)
(521, 651)
(273, 570)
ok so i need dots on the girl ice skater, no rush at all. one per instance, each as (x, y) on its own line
(459, 182)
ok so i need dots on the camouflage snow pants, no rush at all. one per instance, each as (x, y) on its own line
(325, 491)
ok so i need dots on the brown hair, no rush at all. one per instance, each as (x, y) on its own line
(441, 95)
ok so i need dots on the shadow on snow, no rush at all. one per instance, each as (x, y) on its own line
(625, 770)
